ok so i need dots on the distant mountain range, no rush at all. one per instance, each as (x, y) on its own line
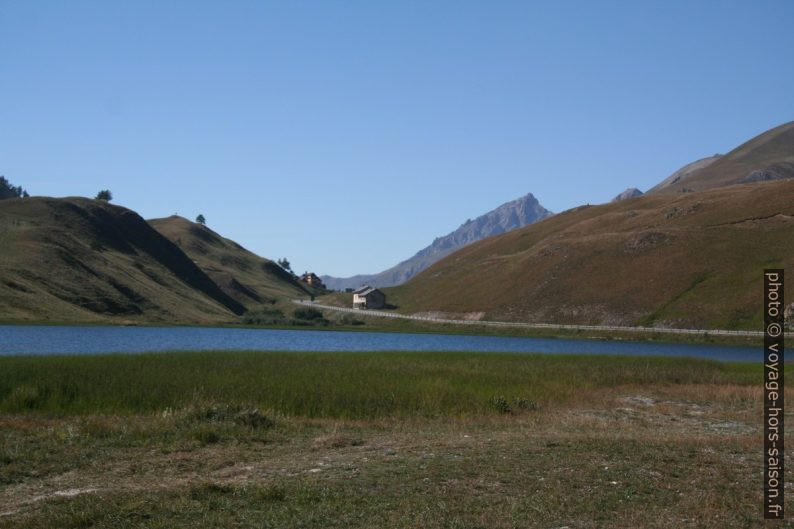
(689, 253)
(507, 217)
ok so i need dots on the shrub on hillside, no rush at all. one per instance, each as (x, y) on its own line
(264, 317)
(9, 191)
(349, 319)
(308, 316)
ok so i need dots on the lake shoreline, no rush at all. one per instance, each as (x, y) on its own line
(76, 340)
(370, 323)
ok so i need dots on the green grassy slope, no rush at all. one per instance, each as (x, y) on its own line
(243, 275)
(82, 260)
(689, 260)
(771, 152)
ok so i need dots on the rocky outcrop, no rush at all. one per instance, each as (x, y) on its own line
(631, 192)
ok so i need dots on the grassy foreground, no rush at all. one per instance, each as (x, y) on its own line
(455, 440)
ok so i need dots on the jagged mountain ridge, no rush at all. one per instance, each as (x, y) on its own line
(509, 216)
(688, 253)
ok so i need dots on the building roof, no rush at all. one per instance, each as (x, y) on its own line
(366, 290)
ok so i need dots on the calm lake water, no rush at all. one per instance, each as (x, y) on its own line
(43, 340)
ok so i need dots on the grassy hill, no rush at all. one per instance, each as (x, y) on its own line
(684, 173)
(687, 260)
(768, 156)
(82, 260)
(249, 279)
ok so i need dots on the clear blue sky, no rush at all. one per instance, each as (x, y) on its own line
(347, 135)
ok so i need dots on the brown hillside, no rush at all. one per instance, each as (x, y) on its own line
(685, 172)
(768, 156)
(689, 260)
(82, 260)
(243, 275)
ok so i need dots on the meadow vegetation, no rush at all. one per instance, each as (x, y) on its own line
(276, 317)
(439, 440)
(337, 385)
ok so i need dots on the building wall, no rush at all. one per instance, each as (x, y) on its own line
(373, 300)
(376, 300)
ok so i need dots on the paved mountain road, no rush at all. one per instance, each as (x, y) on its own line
(385, 314)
